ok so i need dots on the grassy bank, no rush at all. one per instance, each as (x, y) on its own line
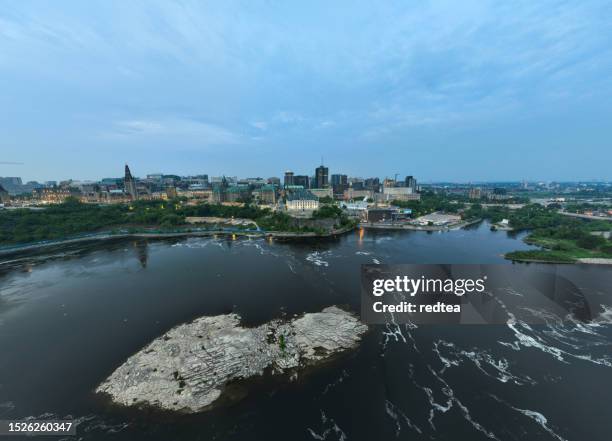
(561, 238)
(545, 256)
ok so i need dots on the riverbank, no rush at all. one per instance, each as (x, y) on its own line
(547, 256)
(110, 235)
(412, 227)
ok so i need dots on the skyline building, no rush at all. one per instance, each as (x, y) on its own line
(321, 177)
(411, 182)
(288, 178)
(303, 180)
(129, 184)
(339, 183)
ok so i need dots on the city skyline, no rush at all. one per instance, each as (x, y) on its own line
(480, 91)
(298, 173)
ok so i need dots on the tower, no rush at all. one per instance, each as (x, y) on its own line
(129, 184)
(288, 178)
(321, 176)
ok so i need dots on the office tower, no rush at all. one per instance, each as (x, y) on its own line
(302, 180)
(339, 183)
(411, 183)
(288, 178)
(372, 184)
(321, 177)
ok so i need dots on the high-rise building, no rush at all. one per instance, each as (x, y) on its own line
(339, 183)
(372, 184)
(288, 178)
(129, 184)
(302, 180)
(339, 180)
(321, 177)
(411, 182)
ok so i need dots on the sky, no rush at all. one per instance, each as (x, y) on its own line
(442, 90)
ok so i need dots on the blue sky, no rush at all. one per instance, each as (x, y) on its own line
(450, 90)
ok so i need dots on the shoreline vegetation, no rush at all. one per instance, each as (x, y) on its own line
(562, 239)
(73, 222)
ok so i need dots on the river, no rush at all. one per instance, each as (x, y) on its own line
(70, 316)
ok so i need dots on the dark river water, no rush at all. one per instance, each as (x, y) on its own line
(69, 317)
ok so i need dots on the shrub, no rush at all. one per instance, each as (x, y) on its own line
(590, 242)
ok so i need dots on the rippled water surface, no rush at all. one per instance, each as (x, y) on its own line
(69, 317)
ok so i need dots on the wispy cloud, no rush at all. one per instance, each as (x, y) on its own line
(188, 132)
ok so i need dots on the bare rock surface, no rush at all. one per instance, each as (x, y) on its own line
(187, 368)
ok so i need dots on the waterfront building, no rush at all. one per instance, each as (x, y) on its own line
(321, 177)
(129, 184)
(380, 214)
(302, 200)
(438, 219)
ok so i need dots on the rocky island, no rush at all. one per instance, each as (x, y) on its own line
(187, 368)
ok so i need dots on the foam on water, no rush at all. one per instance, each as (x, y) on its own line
(331, 430)
(527, 337)
(498, 369)
(399, 417)
(317, 258)
(539, 418)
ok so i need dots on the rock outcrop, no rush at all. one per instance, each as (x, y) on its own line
(187, 368)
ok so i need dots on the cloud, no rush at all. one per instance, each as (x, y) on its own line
(299, 74)
(186, 131)
(261, 125)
